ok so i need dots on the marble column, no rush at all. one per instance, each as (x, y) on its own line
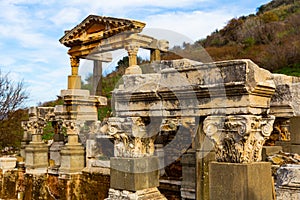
(74, 80)
(132, 56)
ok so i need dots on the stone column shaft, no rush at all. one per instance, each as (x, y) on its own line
(74, 81)
(155, 55)
(97, 78)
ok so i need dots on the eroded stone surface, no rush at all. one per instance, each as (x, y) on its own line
(238, 138)
(288, 182)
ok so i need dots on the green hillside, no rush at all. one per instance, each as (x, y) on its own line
(271, 38)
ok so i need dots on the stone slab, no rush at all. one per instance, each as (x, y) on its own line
(7, 163)
(134, 174)
(270, 150)
(233, 181)
(72, 159)
(295, 148)
(288, 182)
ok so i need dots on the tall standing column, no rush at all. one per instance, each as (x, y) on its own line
(155, 55)
(74, 81)
(132, 56)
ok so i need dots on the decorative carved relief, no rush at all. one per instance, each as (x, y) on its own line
(74, 61)
(130, 136)
(71, 126)
(132, 49)
(238, 139)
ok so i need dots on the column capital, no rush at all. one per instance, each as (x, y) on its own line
(131, 137)
(74, 60)
(238, 138)
(132, 49)
(71, 126)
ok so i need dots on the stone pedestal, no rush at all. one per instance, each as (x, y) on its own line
(295, 135)
(134, 178)
(72, 159)
(74, 82)
(240, 181)
(36, 156)
(134, 173)
(72, 154)
(79, 105)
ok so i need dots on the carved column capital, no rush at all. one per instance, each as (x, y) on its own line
(71, 126)
(132, 49)
(238, 138)
(74, 61)
(131, 139)
(74, 65)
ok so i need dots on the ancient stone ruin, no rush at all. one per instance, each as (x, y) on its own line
(187, 130)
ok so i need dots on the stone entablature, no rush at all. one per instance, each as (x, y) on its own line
(229, 87)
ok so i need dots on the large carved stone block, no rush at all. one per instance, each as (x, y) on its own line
(36, 156)
(134, 174)
(186, 88)
(288, 182)
(233, 181)
(72, 159)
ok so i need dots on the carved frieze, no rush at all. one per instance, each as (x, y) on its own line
(238, 138)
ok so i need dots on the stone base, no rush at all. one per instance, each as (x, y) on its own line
(146, 194)
(134, 69)
(233, 181)
(72, 159)
(134, 174)
(80, 105)
(36, 156)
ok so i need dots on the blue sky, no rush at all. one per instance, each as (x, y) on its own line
(30, 30)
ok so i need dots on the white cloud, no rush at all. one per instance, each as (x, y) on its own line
(194, 25)
(30, 30)
(67, 16)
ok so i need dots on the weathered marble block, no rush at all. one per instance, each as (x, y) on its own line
(7, 163)
(232, 181)
(288, 182)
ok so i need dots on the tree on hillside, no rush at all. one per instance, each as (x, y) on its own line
(12, 97)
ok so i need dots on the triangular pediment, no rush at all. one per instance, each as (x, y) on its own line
(94, 28)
